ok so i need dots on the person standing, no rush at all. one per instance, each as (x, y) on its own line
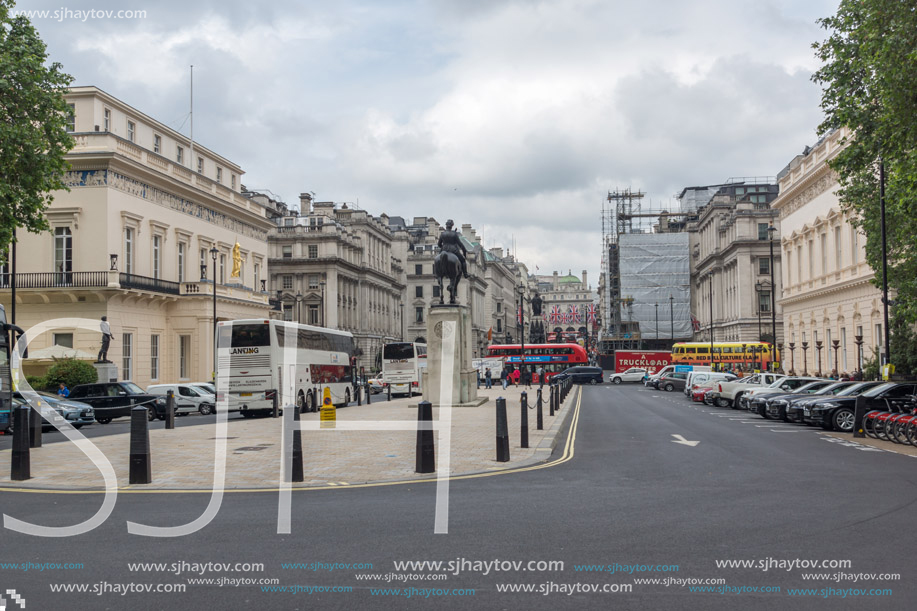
(63, 392)
(106, 340)
(516, 376)
(488, 379)
(504, 375)
(540, 375)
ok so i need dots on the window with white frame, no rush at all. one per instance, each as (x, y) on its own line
(222, 269)
(181, 261)
(157, 144)
(129, 250)
(233, 184)
(63, 254)
(855, 245)
(106, 120)
(157, 256)
(184, 356)
(179, 154)
(838, 251)
(154, 357)
(288, 282)
(313, 251)
(288, 312)
(200, 165)
(287, 251)
(220, 175)
(844, 348)
(313, 315)
(313, 281)
(824, 253)
(62, 339)
(127, 356)
(257, 276)
(131, 129)
(71, 117)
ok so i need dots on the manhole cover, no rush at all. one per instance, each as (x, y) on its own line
(250, 449)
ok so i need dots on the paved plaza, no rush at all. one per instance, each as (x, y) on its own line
(183, 458)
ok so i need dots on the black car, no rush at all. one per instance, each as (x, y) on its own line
(759, 405)
(116, 399)
(838, 412)
(581, 375)
(790, 409)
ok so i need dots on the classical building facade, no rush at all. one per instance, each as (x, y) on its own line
(132, 241)
(566, 302)
(731, 265)
(334, 266)
(829, 301)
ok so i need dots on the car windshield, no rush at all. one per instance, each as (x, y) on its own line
(878, 390)
(810, 387)
(202, 390)
(855, 389)
(133, 388)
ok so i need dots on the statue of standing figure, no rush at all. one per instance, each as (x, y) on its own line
(106, 340)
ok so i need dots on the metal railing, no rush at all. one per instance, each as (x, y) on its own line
(47, 280)
(143, 283)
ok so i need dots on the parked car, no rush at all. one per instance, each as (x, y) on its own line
(207, 387)
(581, 374)
(838, 412)
(671, 381)
(705, 379)
(634, 374)
(376, 386)
(729, 394)
(188, 398)
(781, 385)
(757, 404)
(794, 410)
(75, 412)
(116, 399)
(775, 405)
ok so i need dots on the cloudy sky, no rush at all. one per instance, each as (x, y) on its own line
(517, 116)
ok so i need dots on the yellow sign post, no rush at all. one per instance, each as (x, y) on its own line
(329, 413)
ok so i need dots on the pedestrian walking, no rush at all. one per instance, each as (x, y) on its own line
(540, 375)
(516, 376)
(488, 379)
(504, 376)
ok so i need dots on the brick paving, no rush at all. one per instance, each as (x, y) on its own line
(183, 458)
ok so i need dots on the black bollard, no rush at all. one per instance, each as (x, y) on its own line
(539, 415)
(551, 400)
(368, 395)
(170, 409)
(424, 458)
(524, 421)
(140, 461)
(20, 465)
(859, 412)
(296, 474)
(502, 432)
(35, 428)
(359, 393)
(389, 392)
(275, 405)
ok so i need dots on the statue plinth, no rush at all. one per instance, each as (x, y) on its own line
(108, 371)
(450, 325)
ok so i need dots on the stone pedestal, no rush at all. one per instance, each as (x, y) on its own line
(108, 372)
(464, 377)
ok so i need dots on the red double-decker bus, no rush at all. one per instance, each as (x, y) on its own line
(554, 358)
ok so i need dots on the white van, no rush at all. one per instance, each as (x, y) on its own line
(188, 398)
(672, 368)
(696, 378)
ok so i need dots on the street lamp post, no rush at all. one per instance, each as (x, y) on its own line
(213, 255)
(792, 346)
(710, 286)
(778, 355)
(888, 356)
(744, 355)
(818, 347)
(837, 344)
(758, 288)
(858, 340)
(401, 308)
(805, 358)
(322, 285)
(770, 232)
(657, 326)
(672, 314)
(522, 331)
(298, 308)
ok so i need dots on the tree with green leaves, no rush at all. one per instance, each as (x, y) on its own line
(33, 126)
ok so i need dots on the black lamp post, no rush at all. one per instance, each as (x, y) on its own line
(672, 314)
(710, 295)
(322, 285)
(885, 303)
(759, 286)
(858, 340)
(805, 358)
(837, 344)
(401, 308)
(744, 356)
(657, 326)
(818, 347)
(770, 232)
(792, 346)
(213, 256)
(298, 308)
(521, 290)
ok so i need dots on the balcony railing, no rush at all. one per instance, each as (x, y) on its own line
(143, 283)
(47, 280)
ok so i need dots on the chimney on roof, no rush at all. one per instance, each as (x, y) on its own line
(555, 280)
(584, 279)
(305, 203)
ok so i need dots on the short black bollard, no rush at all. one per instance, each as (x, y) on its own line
(296, 474)
(35, 428)
(551, 400)
(524, 421)
(368, 394)
(20, 465)
(140, 461)
(389, 392)
(502, 432)
(539, 415)
(275, 405)
(170, 409)
(859, 412)
(424, 460)
(359, 393)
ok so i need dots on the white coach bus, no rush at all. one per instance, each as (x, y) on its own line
(402, 367)
(260, 357)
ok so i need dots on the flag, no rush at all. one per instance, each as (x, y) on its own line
(490, 334)
(556, 316)
(592, 312)
(695, 323)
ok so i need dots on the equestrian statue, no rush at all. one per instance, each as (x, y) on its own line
(450, 262)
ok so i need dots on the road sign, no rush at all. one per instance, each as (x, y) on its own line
(329, 413)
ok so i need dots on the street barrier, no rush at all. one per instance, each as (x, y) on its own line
(552, 399)
(170, 409)
(859, 412)
(502, 432)
(359, 393)
(424, 461)
(275, 404)
(140, 461)
(296, 474)
(34, 428)
(368, 394)
(539, 416)
(524, 421)
(20, 466)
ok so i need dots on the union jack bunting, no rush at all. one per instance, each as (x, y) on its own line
(592, 312)
(556, 316)
(572, 315)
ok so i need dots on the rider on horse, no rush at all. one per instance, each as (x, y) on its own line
(450, 241)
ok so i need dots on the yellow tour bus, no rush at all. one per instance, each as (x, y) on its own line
(725, 354)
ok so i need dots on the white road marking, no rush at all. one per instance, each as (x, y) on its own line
(683, 441)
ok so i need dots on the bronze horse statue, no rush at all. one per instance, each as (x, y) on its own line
(447, 265)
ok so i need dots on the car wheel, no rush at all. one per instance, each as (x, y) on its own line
(592, 382)
(301, 402)
(151, 414)
(103, 420)
(669, 387)
(205, 409)
(616, 380)
(843, 420)
(720, 402)
(347, 397)
(312, 400)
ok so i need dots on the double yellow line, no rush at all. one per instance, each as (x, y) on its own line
(566, 456)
